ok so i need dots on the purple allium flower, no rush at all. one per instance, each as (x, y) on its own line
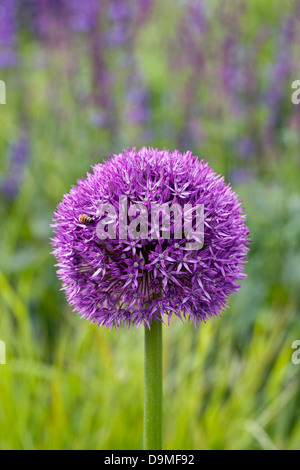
(122, 15)
(97, 119)
(197, 17)
(282, 67)
(8, 59)
(83, 14)
(118, 10)
(8, 22)
(133, 281)
(118, 35)
(137, 109)
(233, 69)
(18, 157)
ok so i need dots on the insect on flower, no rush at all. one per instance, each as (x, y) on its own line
(86, 219)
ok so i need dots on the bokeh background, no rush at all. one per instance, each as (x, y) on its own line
(85, 79)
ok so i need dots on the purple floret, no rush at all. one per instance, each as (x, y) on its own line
(116, 282)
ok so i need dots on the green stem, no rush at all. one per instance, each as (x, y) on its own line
(153, 387)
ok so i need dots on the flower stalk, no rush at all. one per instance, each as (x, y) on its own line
(153, 387)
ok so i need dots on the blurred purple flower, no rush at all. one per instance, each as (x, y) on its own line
(241, 175)
(19, 152)
(279, 75)
(17, 160)
(288, 30)
(144, 10)
(9, 187)
(51, 18)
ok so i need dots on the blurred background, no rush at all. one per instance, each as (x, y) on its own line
(85, 79)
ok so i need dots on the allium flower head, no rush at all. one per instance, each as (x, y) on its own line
(128, 280)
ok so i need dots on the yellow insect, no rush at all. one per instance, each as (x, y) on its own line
(85, 219)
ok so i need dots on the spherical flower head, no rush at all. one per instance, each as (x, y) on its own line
(121, 265)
